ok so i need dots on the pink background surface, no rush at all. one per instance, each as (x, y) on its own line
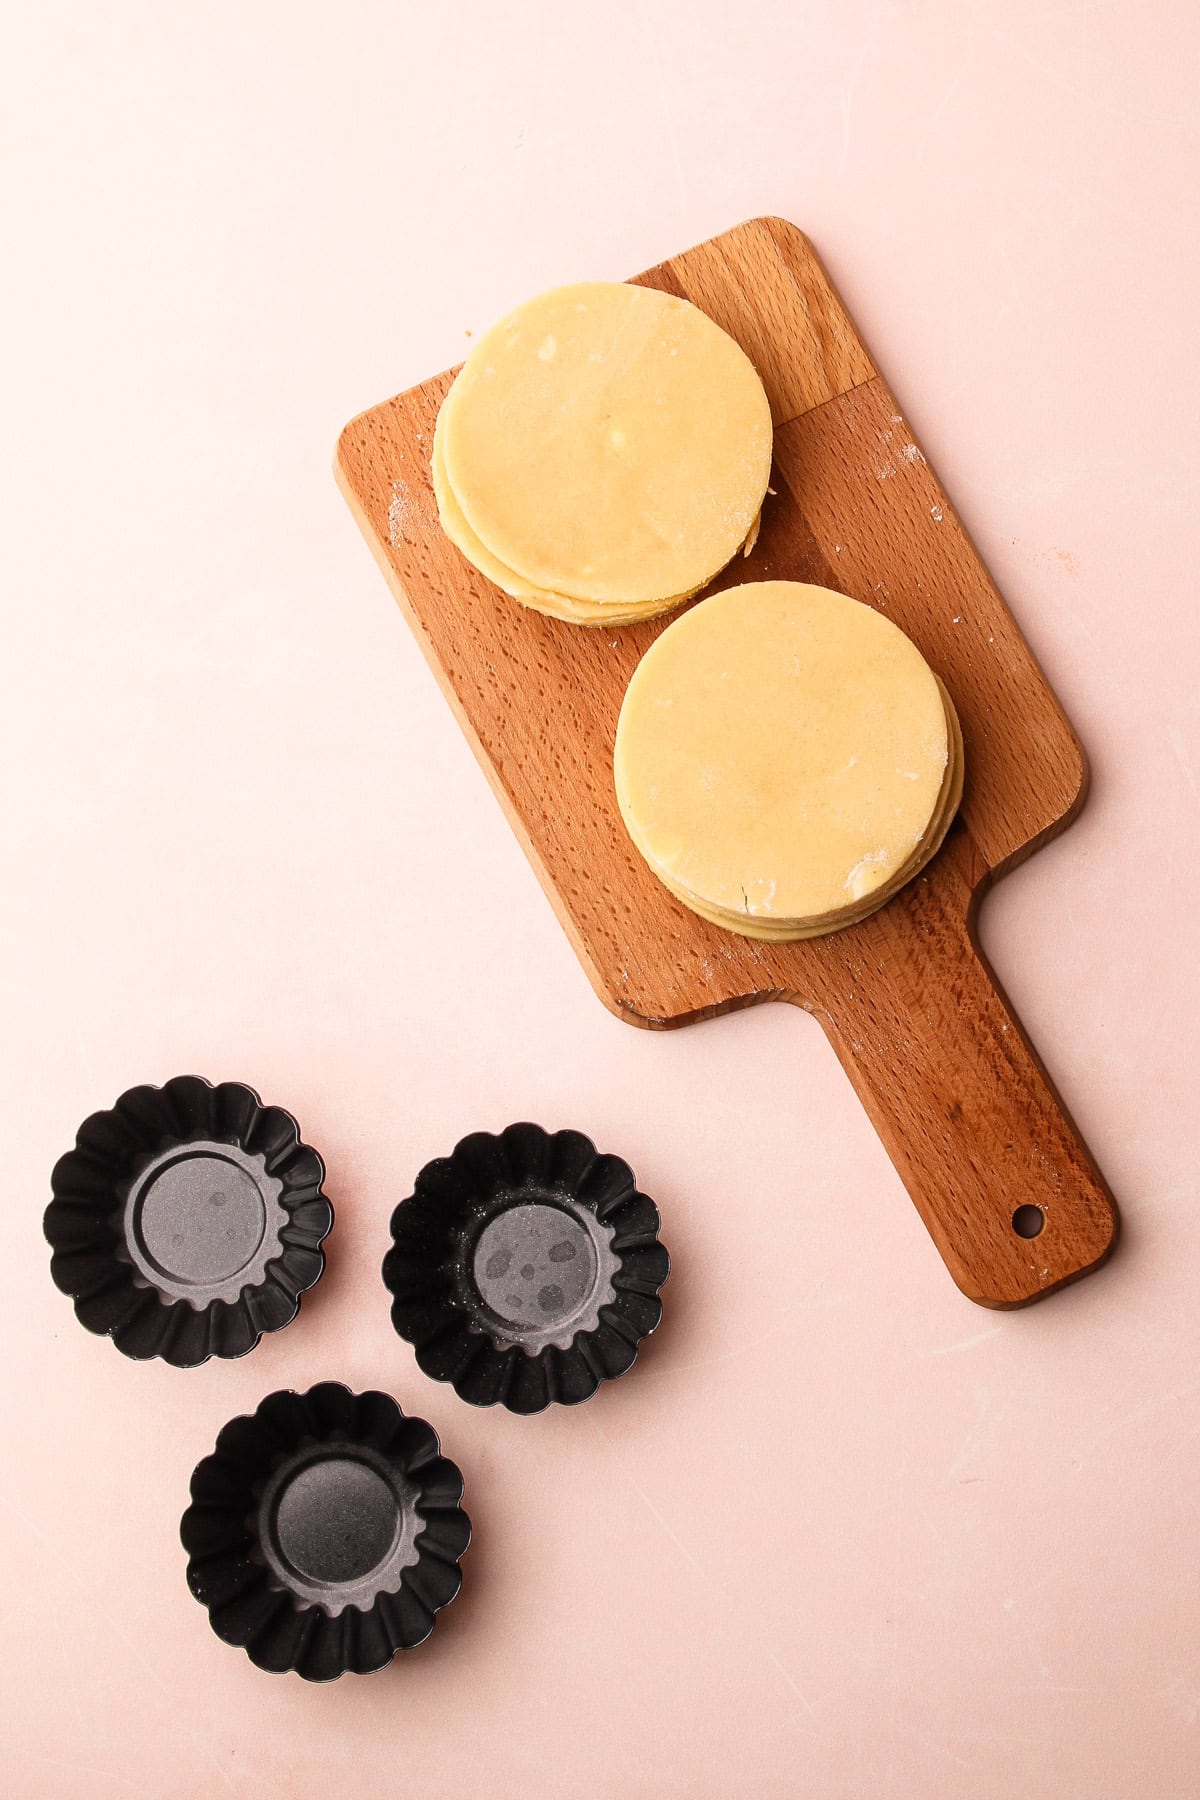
(841, 1534)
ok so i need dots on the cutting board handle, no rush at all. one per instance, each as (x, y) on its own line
(964, 1107)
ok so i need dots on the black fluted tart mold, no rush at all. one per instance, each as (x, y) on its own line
(525, 1268)
(325, 1532)
(188, 1220)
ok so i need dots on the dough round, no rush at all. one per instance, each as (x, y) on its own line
(786, 759)
(575, 612)
(773, 931)
(606, 444)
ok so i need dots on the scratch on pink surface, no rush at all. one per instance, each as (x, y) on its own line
(851, 87)
(893, 1619)
(983, 1404)
(804, 1700)
(980, 1337)
(96, 1771)
(648, 1503)
(647, 21)
(1148, 1409)
(35, 1530)
(1180, 750)
(139, 1655)
(1183, 1698)
(748, 1345)
(683, 1550)
(952, 86)
(1122, 114)
(929, 1743)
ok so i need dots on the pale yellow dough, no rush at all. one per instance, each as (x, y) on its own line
(607, 446)
(576, 612)
(775, 932)
(786, 760)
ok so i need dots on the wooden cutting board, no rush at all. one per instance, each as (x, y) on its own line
(951, 1083)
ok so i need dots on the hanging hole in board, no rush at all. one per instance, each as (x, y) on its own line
(1027, 1221)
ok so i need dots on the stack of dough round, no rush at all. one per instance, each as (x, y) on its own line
(786, 760)
(603, 452)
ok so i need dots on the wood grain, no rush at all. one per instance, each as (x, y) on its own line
(958, 1096)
